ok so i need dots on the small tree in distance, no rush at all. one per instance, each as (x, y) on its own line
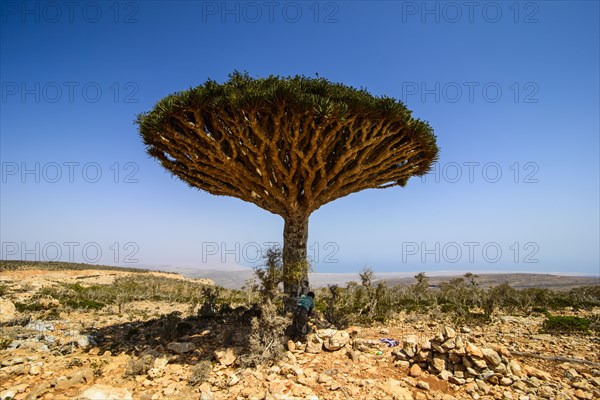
(288, 145)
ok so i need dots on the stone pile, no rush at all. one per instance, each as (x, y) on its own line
(458, 361)
(328, 339)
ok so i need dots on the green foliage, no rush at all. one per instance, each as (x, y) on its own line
(335, 306)
(270, 273)
(461, 299)
(364, 303)
(126, 289)
(4, 343)
(566, 324)
(24, 307)
(585, 297)
(84, 304)
(300, 94)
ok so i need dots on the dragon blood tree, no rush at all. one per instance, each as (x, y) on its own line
(288, 145)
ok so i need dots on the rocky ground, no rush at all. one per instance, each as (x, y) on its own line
(150, 351)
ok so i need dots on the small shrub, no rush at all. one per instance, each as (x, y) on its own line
(266, 341)
(139, 366)
(22, 307)
(74, 363)
(200, 373)
(170, 325)
(565, 324)
(84, 304)
(4, 343)
(97, 366)
(270, 273)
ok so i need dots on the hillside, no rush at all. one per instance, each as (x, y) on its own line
(92, 334)
(237, 279)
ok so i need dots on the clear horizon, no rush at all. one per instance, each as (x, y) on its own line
(511, 90)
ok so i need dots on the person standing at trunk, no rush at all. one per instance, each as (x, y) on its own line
(304, 308)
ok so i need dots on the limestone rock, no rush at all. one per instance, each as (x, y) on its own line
(291, 345)
(104, 392)
(473, 350)
(409, 345)
(491, 356)
(181, 347)
(8, 311)
(353, 331)
(445, 375)
(438, 363)
(80, 377)
(35, 370)
(337, 341)
(423, 385)
(324, 378)
(314, 344)
(479, 363)
(8, 394)
(225, 357)
(415, 370)
(448, 332)
(456, 381)
(38, 391)
(580, 394)
(396, 390)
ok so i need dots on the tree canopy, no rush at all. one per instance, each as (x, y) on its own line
(288, 145)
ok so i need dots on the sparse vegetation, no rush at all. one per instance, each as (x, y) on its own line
(139, 365)
(200, 373)
(4, 343)
(124, 290)
(266, 339)
(18, 265)
(565, 324)
(462, 300)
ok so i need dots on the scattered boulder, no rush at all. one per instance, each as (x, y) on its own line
(333, 339)
(396, 390)
(291, 345)
(181, 347)
(80, 377)
(104, 392)
(225, 357)
(415, 370)
(314, 344)
(8, 311)
(491, 356)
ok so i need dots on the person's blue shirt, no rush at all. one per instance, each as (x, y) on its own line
(306, 301)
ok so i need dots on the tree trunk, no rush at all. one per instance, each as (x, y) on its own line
(295, 265)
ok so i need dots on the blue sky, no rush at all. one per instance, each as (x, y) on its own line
(510, 88)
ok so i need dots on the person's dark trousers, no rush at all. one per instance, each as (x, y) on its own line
(301, 321)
